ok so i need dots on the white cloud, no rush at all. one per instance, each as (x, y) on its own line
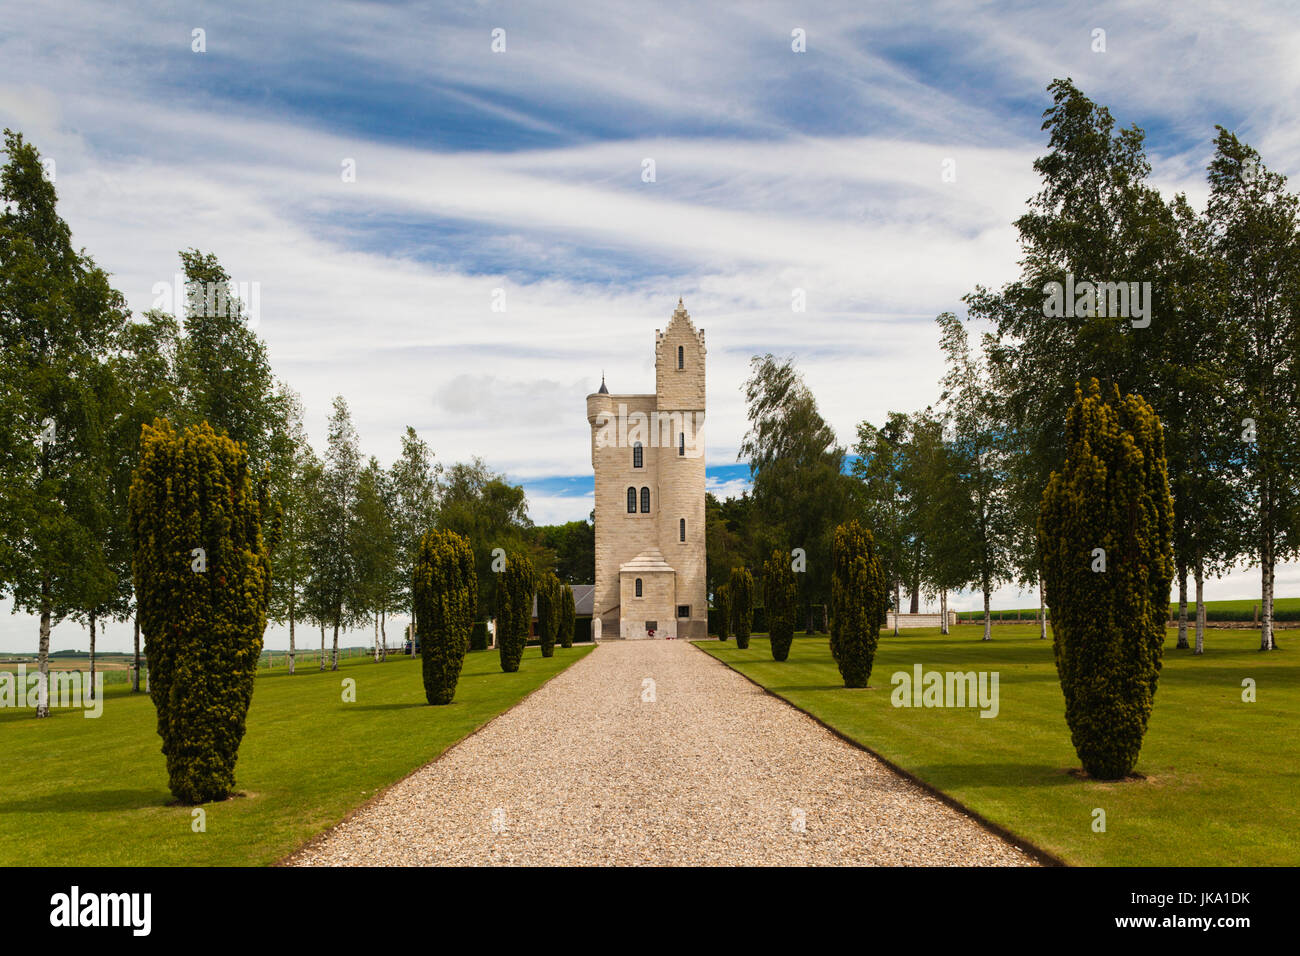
(776, 171)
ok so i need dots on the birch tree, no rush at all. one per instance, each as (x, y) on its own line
(1256, 252)
(58, 320)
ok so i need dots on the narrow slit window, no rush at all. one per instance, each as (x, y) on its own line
(638, 455)
(638, 587)
(631, 501)
(681, 528)
(645, 501)
(681, 444)
(681, 357)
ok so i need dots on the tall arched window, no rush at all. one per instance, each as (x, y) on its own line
(681, 357)
(681, 444)
(645, 501)
(682, 529)
(638, 587)
(638, 455)
(631, 501)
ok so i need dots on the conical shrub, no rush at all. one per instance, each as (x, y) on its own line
(568, 616)
(1105, 538)
(740, 592)
(858, 601)
(781, 602)
(445, 588)
(202, 582)
(514, 609)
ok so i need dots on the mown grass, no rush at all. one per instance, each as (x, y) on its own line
(1220, 775)
(78, 791)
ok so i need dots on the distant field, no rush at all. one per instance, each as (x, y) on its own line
(1284, 610)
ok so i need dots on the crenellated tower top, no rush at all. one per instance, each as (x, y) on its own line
(679, 363)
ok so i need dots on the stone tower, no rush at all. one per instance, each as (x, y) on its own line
(648, 455)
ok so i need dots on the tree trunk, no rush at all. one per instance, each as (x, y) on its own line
(135, 672)
(1200, 607)
(1042, 611)
(897, 606)
(334, 654)
(383, 630)
(376, 622)
(1182, 604)
(1266, 572)
(43, 654)
(988, 619)
(322, 645)
(291, 645)
(943, 611)
(92, 655)
(916, 597)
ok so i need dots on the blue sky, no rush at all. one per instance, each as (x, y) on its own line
(521, 170)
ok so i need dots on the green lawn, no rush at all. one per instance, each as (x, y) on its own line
(78, 791)
(1221, 775)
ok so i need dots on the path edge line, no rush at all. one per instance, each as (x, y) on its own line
(1027, 846)
(316, 838)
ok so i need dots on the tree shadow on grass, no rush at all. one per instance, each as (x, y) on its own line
(90, 801)
(396, 706)
(949, 775)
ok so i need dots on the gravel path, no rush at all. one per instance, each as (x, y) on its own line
(712, 771)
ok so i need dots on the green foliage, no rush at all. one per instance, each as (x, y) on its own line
(478, 637)
(202, 613)
(445, 589)
(516, 583)
(780, 602)
(492, 513)
(858, 601)
(294, 469)
(549, 597)
(62, 546)
(568, 616)
(375, 544)
(740, 591)
(574, 547)
(722, 602)
(800, 491)
(1254, 267)
(222, 363)
(1108, 626)
(332, 592)
(413, 488)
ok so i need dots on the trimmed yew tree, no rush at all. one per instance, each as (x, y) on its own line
(478, 637)
(741, 593)
(548, 612)
(203, 582)
(1105, 535)
(515, 588)
(722, 601)
(859, 598)
(444, 592)
(568, 616)
(781, 598)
